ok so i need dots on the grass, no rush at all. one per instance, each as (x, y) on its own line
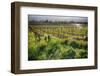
(56, 42)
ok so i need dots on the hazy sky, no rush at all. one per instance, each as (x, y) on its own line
(56, 18)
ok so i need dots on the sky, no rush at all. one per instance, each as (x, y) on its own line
(56, 18)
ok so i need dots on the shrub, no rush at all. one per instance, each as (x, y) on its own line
(65, 42)
(32, 54)
(31, 47)
(31, 39)
(74, 44)
(42, 57)
(55, 52)
(84, 54)
(69, 54)
(83, 45)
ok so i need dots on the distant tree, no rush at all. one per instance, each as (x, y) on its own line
(46, 21)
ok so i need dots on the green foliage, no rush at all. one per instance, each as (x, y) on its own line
(74, 44)
(69, 54)
(83, 54)
(78, 44)
(57, 43)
